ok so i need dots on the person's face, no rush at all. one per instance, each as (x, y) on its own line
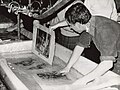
(77, 27)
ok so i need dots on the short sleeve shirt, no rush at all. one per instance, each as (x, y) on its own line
(106, 37)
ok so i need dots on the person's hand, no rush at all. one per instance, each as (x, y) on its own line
(52, 27)
(84, 82)
(80, 84)
(64, 71)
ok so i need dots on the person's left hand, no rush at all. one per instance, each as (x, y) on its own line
(82, 84)
(64, 71)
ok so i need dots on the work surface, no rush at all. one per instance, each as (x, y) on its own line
(35, 73)
(23, 70)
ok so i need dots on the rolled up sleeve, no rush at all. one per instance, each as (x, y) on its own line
(85, 39)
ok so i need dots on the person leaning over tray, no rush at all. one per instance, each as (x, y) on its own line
(104, 32)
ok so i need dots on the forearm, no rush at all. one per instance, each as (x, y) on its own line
(75, 56)
(101, 69)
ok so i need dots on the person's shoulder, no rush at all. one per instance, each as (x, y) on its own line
(102, 17)
(108, 23)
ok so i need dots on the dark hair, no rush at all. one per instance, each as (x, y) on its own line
(77, 13)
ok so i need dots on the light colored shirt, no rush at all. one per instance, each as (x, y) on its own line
(106, 8)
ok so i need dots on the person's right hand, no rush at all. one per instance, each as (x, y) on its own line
(64, 71)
